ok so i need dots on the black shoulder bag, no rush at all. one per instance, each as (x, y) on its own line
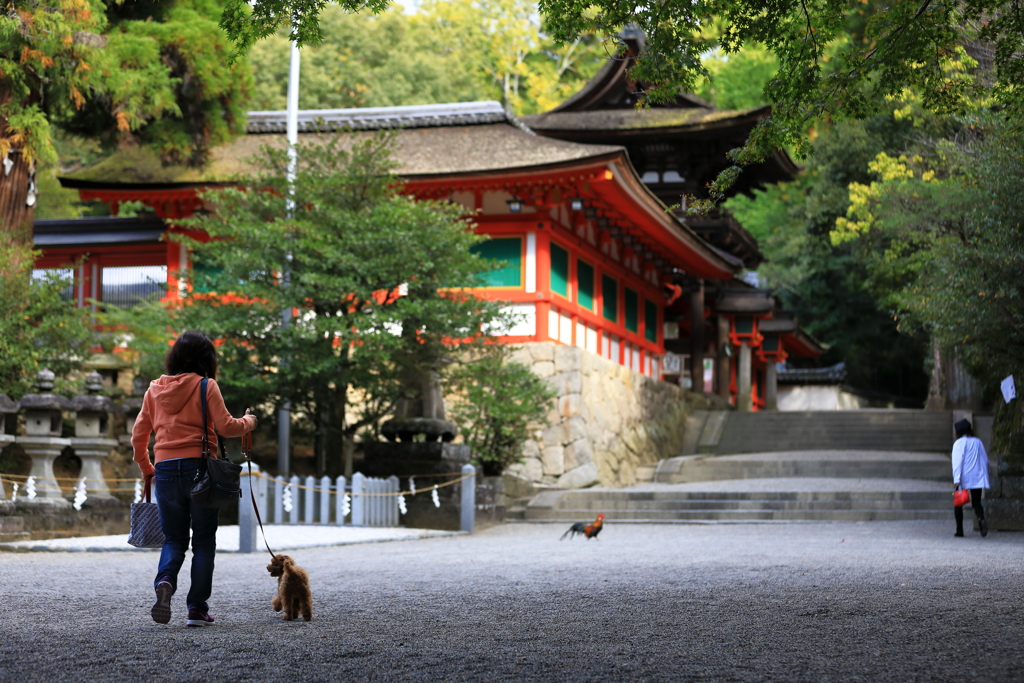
(221, 484)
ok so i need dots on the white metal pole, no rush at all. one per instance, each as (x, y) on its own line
(284, 415)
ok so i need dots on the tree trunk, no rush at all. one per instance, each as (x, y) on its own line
(323, 437)
(17, 208)
(16, 215)
(937, 382)
(348, 447)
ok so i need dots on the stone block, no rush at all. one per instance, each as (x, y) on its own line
(522, 355)
(553, 460)
(580, 477)
(568, 359)
(578, 453)
(554, 435)
(531, 449)
(1005, 514)
(1010, 487)
(566, 383)
(576, 428)
(530, 469)
(554, 416)
(544, 351)
(636, 439)
(544, 369)
(569, 406)
(1011, 465)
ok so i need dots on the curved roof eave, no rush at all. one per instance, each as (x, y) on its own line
(721, 268)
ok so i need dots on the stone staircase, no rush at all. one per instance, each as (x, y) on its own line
(869, 465)
(845, 464)
(651, 503)
(867, 430)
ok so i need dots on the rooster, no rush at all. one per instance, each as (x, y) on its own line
(589, 530)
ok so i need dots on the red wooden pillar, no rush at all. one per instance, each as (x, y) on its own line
(543, 283)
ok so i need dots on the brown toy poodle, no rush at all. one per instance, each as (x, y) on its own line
(292, 588)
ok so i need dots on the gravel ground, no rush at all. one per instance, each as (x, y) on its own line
(897, 601)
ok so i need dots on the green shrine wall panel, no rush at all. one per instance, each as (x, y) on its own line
(508, 250)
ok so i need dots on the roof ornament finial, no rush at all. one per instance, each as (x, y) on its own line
(632, 32)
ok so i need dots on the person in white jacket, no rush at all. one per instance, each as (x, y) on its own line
(970, 471)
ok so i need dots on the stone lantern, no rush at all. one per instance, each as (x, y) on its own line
(92, 416)
(8, 420)
(107, 363)
(7, 408)
(131, 407)
(42, 441)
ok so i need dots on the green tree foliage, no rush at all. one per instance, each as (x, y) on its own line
(942, 239)
(454, 51)
(40, 327)
(836, 61)
(365, 61)
(503, 43)
(500, 402)
(826, 284)
(737, 80)
(151, 73)
(162, 81)
(378, 280)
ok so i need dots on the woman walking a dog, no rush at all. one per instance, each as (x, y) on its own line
(172, 408)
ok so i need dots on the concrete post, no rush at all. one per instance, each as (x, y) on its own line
(358, 500)
(697, 337)
(325, 499)
(248, 529)
(293, 516)
(279, 484)
(309, 497)
(339, 501)
(771, 387)
(392, 501)
(468, 504)
(743, 399)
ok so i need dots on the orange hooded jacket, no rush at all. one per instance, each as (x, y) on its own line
(173, 409)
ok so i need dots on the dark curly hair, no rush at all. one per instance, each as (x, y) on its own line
(192, 352)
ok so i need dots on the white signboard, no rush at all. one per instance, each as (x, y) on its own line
(673, 364)
(1009, 390)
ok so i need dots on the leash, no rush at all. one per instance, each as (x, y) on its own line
(247, 452)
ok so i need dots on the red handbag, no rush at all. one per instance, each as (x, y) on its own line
(961, 497)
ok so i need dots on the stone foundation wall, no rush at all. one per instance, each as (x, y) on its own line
(608, 420)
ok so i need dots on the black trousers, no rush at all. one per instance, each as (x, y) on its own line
(979, 511)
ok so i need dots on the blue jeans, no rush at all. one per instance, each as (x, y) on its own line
(174, 479)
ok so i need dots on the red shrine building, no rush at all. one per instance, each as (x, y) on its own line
(593, 258)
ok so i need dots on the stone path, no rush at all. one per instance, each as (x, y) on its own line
(793, 484)
(283, 537)
(833, 456)
(901, 601)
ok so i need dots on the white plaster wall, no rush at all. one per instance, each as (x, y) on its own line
(818, 398)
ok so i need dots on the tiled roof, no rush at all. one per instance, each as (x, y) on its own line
(378, 118)
(643, 119)
(835, 374)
